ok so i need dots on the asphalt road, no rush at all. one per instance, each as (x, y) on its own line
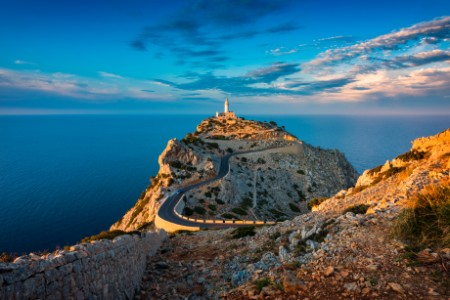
(166, 211)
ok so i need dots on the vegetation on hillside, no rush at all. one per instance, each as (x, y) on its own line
(426, 221)
(109, 235)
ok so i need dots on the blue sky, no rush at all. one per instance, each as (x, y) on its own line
(268, 57)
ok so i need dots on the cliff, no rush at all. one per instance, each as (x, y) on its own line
(361, 243)
(272, 179)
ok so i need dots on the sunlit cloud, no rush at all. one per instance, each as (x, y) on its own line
(105, 89)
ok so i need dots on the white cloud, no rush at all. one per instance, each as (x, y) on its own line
(110, 75)
(23, 62)
(435, 30)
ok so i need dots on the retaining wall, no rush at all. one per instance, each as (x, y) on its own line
(104, 269)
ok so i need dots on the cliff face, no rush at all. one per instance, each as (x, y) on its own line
(343, 250)
(272, 180)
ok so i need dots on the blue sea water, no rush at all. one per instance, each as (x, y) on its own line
(66, 177)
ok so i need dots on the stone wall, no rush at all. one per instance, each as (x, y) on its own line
(104, 269)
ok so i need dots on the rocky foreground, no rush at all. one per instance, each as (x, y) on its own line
(273, 184)
(345, 249)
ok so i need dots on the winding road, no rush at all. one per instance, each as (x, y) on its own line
(167, 209)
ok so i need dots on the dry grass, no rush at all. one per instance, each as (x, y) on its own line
(426, 220)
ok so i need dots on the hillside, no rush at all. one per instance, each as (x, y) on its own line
(355, 244)
(273, 184)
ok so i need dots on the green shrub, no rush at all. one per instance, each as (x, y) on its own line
(294, 207)
(243, 231)
(315, 202)
(229, 216)
(357, 209)
(109, 235)
(375, 170)
(261, 283)
(188, 211)
(426, 221)
(212, 207)
(412, 155)
(239, 211)
(199, 210)
(246, 202)
(219, 201)
(301, 172)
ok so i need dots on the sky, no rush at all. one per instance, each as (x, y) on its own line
(185, 57)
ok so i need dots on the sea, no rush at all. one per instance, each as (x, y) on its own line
(65, 177)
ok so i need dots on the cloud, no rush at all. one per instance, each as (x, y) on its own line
(198, 30)
(109, 87)
(272, 73)
(337, 38)
(109, 75)
(436, 30)
(281, 51)
(23, 62)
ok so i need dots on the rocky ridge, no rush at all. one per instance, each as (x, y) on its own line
(342, 250)
(271, 185)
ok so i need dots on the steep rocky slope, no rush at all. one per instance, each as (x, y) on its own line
(342, 250)
(273, 184)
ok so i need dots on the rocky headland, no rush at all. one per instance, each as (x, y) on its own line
(361, 243)
(273, 180)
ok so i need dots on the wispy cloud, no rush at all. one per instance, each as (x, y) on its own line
(73, 86)
(436, 30)
(23, 62)
(203, 26)
(109, 75)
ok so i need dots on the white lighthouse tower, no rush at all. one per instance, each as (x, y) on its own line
(226, 109)
(227, 114)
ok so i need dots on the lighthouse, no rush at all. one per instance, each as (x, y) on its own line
(227, 114)
(226, 109)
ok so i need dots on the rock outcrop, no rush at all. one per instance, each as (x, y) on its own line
(273, 184)
(343, 250)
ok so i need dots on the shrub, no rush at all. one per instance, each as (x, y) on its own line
(109, 235)
(261, 161)
(261, 283)
(246, 202)
(219, 201)
(357, 209)
(294, 207)
(229, 216)
(243, 231)
(212, 207)
(426, 221)
(301, 172)
(188, 211)
(229, 150)
(239, 211)
(375, 170)
(412, 155)
(7, 257)
(200, 210)
(315, 202)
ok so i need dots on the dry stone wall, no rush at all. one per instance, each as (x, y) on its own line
(105, 269)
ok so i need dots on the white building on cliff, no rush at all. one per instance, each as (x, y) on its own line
(227, 114)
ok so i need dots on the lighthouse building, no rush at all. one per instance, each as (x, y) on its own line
(227, 114)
